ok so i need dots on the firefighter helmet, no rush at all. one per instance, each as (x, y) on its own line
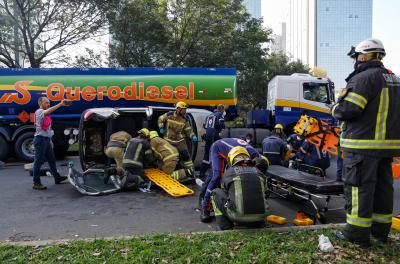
(278, 126)
(181, 105)
(237, 154)
(153, 134)
(367, 46)
(144, 131)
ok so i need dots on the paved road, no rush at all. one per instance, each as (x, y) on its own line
(61, 212)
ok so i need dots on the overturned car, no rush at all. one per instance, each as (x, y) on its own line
(96, 126)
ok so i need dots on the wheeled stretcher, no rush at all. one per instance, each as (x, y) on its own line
(286, 182)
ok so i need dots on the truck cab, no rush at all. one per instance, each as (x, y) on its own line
(97, 124)
(291, 96)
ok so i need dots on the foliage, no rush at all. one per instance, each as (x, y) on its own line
(198, 33)
(33, 30)
(260, 246)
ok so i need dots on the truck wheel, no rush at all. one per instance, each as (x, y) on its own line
(4, 149)
(24, 149)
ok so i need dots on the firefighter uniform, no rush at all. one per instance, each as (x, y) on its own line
(116, 147)
(213, 124)
(167, 156)
(177, 128)
(138, 155)
(274, 148)
(241, 198)
(218, 155)
(370, 138)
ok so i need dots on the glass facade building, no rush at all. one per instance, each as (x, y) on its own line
(321, 32)
(253, 7)
(339, 25)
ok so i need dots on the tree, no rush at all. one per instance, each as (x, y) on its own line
(138, 34)
(34, 30)
(318, 72)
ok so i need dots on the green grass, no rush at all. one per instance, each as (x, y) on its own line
(230, 247)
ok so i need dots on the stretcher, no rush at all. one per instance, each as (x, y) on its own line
(326, 137)
(286, 182)
(168, 184)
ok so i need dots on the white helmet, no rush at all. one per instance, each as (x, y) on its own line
(367, 46)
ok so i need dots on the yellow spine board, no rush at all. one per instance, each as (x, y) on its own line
(168, 184)
(396, 223)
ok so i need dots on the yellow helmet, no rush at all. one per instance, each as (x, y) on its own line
(153, 134)
(181, 105)
(278, 126)
(237, 154)
(144, 131)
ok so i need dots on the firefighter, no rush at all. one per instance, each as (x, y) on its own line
(241, 198)
(175, 127)
(138, 155)
(274, 148)
(218, 157)
(116, 148)
(278, 131)
(167, 156)
(369, 111)
(213, 124)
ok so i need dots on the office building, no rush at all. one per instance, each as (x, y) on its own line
(253, 7)
(321, 32)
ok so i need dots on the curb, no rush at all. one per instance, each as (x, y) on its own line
(38, 243)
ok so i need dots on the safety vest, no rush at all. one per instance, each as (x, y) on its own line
(245, 187)
(163, 151)
(137, 152)
(371, 113)
(176, 127)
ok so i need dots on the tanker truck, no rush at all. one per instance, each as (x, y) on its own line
(118, 88)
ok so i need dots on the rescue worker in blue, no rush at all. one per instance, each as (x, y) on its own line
(295, 142)
(313, 156)
(218, 157)
(213, 124)
(241, 198)
(274, 149)
(369, 111)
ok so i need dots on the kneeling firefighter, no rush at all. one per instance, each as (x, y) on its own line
(137, 156)
(167, 156)
(218, 157)
(241, 198)
(116, 148)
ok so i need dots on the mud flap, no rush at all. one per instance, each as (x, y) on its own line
(168, 184)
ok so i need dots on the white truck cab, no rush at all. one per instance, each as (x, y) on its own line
(291, 96)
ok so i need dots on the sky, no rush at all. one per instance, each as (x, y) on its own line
(385, 19)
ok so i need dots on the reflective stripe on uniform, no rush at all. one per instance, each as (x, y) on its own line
(171, 156)
(380, 129)
(369, 143)
(356, 99)
(358, 221)
(205, 162)
(137, 153)
(382, 218)
(127, 161)
(217, 212)
(238, 194)
(266, 152)
(354, 201)
(353, 218)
